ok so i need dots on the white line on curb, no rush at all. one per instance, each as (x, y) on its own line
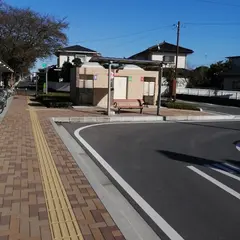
(216, 182)
(158, 220)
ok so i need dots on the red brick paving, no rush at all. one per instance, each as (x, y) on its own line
(23, 212)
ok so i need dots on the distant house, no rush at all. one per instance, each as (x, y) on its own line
(67, 54)
(232, 77)
(165, 52)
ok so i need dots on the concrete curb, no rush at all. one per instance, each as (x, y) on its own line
(108, 119)
(201, 118)
(139, 119)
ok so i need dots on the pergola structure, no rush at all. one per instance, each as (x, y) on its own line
(4, 67)
(118, 63)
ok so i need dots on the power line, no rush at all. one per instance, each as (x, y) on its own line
(213, 24)
(218, 3)
(125, 35)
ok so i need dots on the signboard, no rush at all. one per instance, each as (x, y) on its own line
(130, 78)
(44, 65)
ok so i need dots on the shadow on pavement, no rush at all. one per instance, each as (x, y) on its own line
(35, 104)
(187, 158)
(211, 126)
(192, 160)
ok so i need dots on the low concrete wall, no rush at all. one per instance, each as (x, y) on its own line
(209, 93)
(214, 100)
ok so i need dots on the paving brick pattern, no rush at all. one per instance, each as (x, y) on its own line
(94, 220)
(23, 212)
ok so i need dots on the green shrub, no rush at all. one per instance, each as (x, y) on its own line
(180, 105)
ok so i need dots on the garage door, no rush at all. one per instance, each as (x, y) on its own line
(120, 87)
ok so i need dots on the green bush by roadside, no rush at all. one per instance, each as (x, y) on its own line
(180, 105)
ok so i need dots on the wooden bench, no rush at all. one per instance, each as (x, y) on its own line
(128, 104)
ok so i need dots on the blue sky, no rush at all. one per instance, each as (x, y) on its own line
(92, 21)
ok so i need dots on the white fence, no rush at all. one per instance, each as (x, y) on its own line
(209, 93)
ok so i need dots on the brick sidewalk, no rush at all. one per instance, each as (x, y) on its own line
(23, 209)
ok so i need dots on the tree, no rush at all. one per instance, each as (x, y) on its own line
(26, 35)
(215, 73)
(77, 62)
(199, 77)
(210, 77)
(66, 71)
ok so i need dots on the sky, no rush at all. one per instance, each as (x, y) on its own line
(122, 28)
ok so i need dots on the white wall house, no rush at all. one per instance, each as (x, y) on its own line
(69, 53)
(232, 77)
(167, 52)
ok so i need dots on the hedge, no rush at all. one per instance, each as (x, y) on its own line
(180, 105)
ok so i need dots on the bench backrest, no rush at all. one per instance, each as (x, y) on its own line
(128, 102)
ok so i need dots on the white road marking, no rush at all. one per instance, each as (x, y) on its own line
(221, 166)
(159, 221)
(216, 182)
(232, 166)
(226, 173)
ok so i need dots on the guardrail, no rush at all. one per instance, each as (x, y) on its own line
(209, 93)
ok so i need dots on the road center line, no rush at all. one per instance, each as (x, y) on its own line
(216, 182)
(158, 220)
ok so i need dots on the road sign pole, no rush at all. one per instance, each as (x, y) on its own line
(160, 73)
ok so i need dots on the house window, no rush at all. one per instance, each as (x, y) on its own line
(82, 57)
(149, 86)
(86, 81)
(169, 59)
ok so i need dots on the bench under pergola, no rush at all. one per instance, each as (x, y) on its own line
(118, 63)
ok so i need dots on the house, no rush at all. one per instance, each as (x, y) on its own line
(67, 54)
(89, 82)
(232, 76)
(165, 52)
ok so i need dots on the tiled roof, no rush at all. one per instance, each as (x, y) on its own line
(77, 48)
(163, 47)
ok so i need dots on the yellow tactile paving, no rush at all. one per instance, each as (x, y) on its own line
(63, 222)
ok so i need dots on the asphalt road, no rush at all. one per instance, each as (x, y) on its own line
(217, 108)
(170, 166)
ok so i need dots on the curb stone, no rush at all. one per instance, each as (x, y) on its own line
(143, 118)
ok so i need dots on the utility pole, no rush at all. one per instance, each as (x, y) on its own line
(160, 73)
(109, 88)
(174, 84)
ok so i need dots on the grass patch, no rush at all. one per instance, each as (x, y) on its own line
(180, 105)
(54, 94)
